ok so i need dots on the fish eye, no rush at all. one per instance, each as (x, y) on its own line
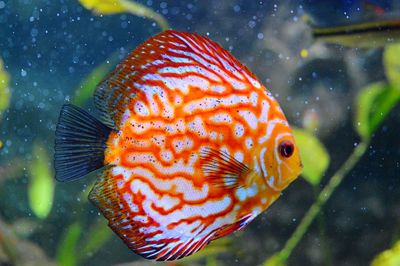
(286, 148)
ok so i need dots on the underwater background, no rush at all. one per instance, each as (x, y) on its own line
(342, 100)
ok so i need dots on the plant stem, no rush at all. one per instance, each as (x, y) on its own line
(326, 252)
(323, 197)
(143, 11)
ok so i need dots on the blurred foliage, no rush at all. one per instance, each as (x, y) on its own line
(8, 243)
(86, 89)
(390, 257)
(25, 227)
(41, 183)
(5, 94)
(99, 233)
(104, 6)
(211, 261)
(376, 100)
(313, 154)
(12, 170)
(18, 251)
(373, 104)
(107, 7)
(275, 260)
(311, 121)
(67, 248)
(392, 64)
(72, 242)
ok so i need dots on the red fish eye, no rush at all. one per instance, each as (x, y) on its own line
(286, 148)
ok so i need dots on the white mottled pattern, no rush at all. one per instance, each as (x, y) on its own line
(180, 84)
(182, 144)
(264, 112)
(270, 128)
(250, 118)
(239, 156)
(186, 69)
(176, 59)
(249, 143)
(141, 109)
(262, 162)
(197, 126)
(242, 193)
(209, 103)
(181, 185)
(221, 117)
(129, 200)
(239, 130)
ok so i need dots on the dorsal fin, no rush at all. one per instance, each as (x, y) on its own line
(168, 54)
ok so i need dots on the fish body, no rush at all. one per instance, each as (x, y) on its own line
(194, 146)
(368, 34)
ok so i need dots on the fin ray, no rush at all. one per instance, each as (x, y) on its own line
(223, 170)
(79, 144)
(236, 226)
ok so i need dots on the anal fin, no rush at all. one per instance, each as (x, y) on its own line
(145, 237)
(230, 228)
(109, 200)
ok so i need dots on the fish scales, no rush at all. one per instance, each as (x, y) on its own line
(186, 165)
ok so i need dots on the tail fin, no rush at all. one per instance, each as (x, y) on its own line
(80, 143)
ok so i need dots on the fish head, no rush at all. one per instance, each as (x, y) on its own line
(280, 158)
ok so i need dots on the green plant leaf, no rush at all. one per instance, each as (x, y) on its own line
(87, 87)
(392, 64)
(314, 156)
(98, 235)
(41, 184)
(275, 260)
(103, 6)
(211, 261)
(5, 94)
(66, 251)
(389, 257)
(373, 104)
(124, 6)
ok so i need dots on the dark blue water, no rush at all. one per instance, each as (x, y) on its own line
(49, 47)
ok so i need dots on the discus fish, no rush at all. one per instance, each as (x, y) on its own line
(194, 146)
